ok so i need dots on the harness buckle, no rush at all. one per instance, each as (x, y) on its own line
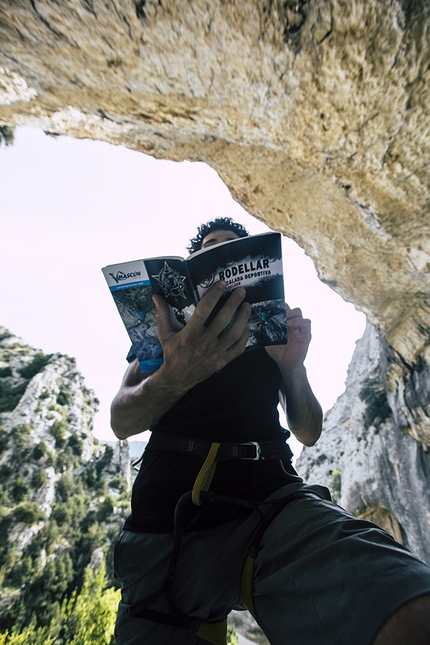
(257, 450)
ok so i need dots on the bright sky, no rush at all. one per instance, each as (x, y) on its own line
(69, 207)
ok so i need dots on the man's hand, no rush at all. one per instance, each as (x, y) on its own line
(302, 408)
(292, 355)
(196, 352)
(190, 356)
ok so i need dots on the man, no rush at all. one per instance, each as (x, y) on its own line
(313, 574)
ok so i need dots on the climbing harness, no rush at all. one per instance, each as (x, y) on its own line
(274, 449)
(200, 496)
(205, 476)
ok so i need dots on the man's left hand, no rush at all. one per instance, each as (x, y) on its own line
(303, 411)
(290, 357)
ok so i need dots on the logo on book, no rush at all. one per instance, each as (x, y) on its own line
(171, 282)
(120, 275)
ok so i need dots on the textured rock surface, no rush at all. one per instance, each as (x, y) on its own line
(372, 469)
(63, 495)
(316, 115)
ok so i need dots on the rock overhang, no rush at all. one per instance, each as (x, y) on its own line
(314, 114)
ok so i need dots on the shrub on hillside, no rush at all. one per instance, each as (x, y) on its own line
(28, 513)
(35, 366)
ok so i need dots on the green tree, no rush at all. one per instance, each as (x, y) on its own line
(19, 489)
(28, 636)
(58, 431)
(10, 395)
(20, 435)
(4, 439)
(35, 366)
(40, 450)
(231, 635)
(20, 574)
(28, 513)
(7, 135)
(64, 398)
(39, 479)
(3, 500)
(88, 618)
(76, 444)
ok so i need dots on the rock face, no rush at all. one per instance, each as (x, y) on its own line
(63, 496)
(372, 469)
(316, 115)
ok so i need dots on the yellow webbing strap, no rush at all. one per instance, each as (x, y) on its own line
(214, 633)
(204, 478)
(246, 586)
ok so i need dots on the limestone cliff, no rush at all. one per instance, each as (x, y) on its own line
(316, 114)
(372, 469)
(63, 496)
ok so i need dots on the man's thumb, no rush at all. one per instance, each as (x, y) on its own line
(162, 312)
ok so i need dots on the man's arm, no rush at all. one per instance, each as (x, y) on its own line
(190, 357)
(303, 411)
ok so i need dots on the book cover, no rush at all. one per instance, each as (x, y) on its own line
(253, 262)
(132, 292)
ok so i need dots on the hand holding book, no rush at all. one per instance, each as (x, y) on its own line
(253, 263)
(291, 356)
(197, 351)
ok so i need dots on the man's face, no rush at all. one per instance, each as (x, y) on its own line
(218, 236)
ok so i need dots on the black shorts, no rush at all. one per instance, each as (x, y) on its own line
(322, 577)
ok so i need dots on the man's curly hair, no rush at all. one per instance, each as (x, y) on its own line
(218, 224)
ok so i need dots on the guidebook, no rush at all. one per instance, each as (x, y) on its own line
(253, 262)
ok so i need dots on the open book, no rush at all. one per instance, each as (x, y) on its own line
(253, 262)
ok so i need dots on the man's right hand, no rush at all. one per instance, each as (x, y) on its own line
(190, 356)
(196, 352)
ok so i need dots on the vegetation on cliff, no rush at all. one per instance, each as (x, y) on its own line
(63, 496)
(86, 617)
(63, 500)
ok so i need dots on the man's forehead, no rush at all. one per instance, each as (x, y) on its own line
(219, 235)
(217, 232)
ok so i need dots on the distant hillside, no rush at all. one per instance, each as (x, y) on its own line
(63, 495)
(136, 448)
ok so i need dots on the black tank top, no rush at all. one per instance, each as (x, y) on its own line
(237, 404)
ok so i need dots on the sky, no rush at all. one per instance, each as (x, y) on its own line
(69, 207)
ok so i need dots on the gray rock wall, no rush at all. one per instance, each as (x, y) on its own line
(316, 115)
(63, 495)
(373, 469)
